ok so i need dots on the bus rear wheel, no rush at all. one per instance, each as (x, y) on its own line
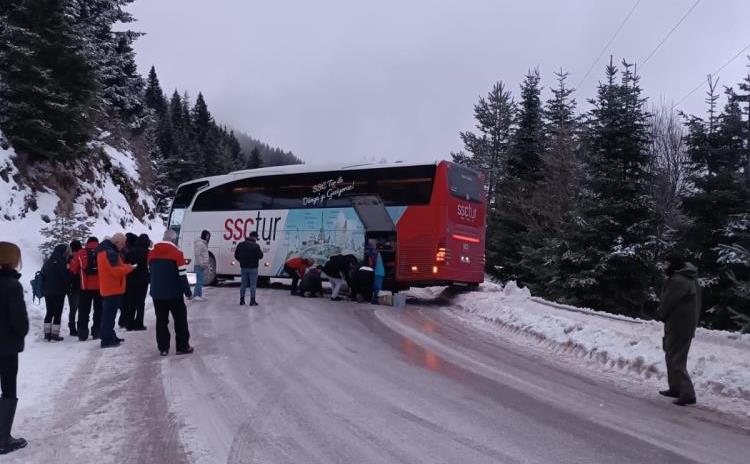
(210, 276)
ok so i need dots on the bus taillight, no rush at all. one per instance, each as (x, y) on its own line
(440, 255)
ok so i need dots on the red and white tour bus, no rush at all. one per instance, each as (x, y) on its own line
(436, 212)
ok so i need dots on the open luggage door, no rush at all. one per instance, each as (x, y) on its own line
(380, 232)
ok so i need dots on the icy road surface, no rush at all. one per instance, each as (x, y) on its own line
(313, 381)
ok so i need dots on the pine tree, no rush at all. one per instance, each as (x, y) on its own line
(65, 227)
(154, 96)
(48, 85)
(554, 202)
(489, 149)
(515, 216)
(254, 161)
(235, 151)
(612, 263)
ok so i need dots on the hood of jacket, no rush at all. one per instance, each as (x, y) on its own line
(112, 254)
(689, 270)
(59, 251)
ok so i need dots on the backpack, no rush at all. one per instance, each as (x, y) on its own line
(91, 268)
(37, 286)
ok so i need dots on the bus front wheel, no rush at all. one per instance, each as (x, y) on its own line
(210, 277)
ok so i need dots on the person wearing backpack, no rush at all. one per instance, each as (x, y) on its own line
(74, 294)
(14, 325)
(85, 269)
(57, 280)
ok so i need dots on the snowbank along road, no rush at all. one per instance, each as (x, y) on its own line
(312, 381)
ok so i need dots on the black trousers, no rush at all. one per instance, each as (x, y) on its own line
(89, 298)
(362, 284)
(8, 374)
(74, 298)
(295, 277)
(54, 305)
(133, 306)
(181, 333)
(676, 354)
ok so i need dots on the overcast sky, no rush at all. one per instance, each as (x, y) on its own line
(397, 79)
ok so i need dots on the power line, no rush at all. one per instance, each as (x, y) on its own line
(687, 13)
(606, 47)
(747, 47)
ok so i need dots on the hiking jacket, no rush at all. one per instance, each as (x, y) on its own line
(248, 254)
(79, 265)
(168, 270)
(681, 304)
(112, 270)
(200, 247)
(14, 321)
(297, 265)
(57, 275)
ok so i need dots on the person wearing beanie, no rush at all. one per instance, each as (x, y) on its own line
(57, 279)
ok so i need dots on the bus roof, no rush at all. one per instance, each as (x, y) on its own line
(301, 168)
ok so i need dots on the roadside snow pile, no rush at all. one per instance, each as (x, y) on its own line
(719, 361)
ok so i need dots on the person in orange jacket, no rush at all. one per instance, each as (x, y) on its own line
(112, 282)
(84, 266)
(296, 268)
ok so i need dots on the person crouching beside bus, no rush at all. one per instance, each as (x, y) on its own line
(201, 263)
(296, 268)
(112, 285)
(312, 282)
(14, 325)
(169, 283)
(337, 269)
(362, 283)
(249, 254)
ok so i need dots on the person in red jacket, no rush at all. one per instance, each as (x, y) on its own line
(296, 268)
(112, 283)
(84, 267)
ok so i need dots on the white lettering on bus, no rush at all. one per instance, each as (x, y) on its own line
(240, 228)
(467, 212)
(327, 190)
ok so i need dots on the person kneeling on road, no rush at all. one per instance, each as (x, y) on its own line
(169, 283)
(362, 284)
(312, 282)
(296, 268)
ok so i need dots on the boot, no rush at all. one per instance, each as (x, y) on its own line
(73, 330)
(253, 302)
(7, 414)
(669, 393)
(48, 331)
(242, 301)
(55, 336)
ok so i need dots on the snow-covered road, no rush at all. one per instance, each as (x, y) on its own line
(311, 381)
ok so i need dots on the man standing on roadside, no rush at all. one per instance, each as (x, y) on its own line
(112, 285)
(249, 254)
(680, 311)
(201, 263)
(85, 268)
(168, 285)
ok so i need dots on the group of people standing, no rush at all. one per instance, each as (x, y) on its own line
(114, 275)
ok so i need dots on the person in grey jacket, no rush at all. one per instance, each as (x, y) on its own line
(201, 264)
(680, 311)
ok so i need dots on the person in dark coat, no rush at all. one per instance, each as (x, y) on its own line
(680, 311)
(312, 282)
(168, 271)
(362, 284)
(74, 294)
(249, 254)
(137, 284)
(126, 311)
(337, 268)
(57, 279)
(14, 325)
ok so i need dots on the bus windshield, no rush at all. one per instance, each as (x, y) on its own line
(182, 200)
(465, 184)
